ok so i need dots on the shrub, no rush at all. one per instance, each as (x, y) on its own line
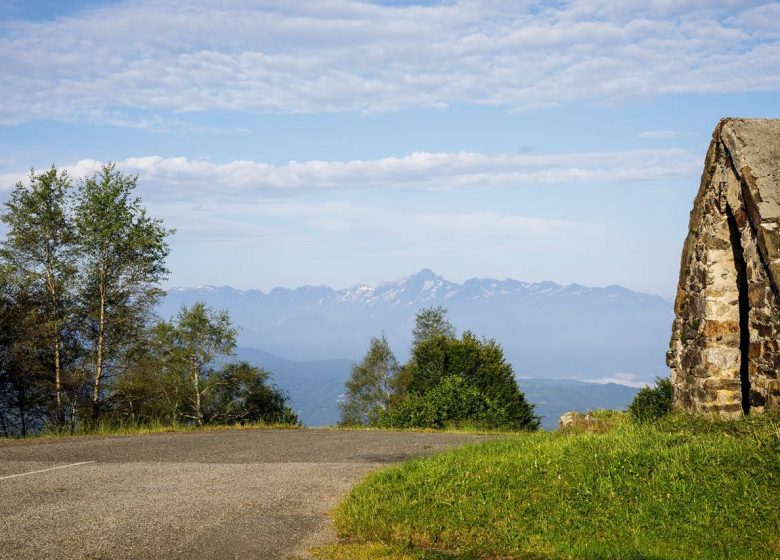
(651, 403)
(466, 380)
(453, 402)
(449, 381)
(414, 411)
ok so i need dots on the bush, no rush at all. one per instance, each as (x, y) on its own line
(452, 381)
(453, 402)
(414, 411)
(450, 402)
(651, 403)
(448, 381)
(243, 394)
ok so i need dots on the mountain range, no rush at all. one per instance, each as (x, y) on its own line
(547, 330)
(555, 336)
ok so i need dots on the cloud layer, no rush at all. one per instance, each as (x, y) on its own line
(343, 55)
(338, 228)
(419, 170)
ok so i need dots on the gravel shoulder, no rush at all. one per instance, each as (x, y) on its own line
(223, 494)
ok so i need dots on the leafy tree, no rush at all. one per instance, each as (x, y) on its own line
(153, 386)
(450, 380)
(242, 393)
(369, 388)
(431, 322)
(201, 335)
(179, 373)
(24, 391)
(122, 252)
(39, 254)
(481, 367)
(168, 379)
(651, 403)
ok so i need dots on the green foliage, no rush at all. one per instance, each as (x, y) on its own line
(183, 375)
(669, 490)
(369, 387)
(431, 322)
(451, 402)
(191, 343)
(451, 382)
(39, 262)
(39, 242)
(240, 393)
(80, 273)
(25, 380)
(199, 335)
(122, 255)
(652, 403)
(610, 418)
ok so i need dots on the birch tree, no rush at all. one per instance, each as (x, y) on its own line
(122, 261)
(202, 335)
(431, 322)
(39, 251)
(370, 386)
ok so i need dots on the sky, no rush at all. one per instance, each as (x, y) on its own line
(340, 142)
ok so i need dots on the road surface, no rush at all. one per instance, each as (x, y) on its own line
(260, 494)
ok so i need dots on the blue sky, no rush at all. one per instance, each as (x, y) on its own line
(342, 142)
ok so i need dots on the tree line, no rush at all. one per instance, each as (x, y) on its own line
(81, 267)
(449, 381)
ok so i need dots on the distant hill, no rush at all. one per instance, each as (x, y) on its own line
(315, 386)
(547, 330)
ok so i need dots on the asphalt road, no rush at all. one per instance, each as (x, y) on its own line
(259, 494)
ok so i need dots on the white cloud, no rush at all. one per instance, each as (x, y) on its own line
(392, 231)
(628, 379)
(662, 134)
(180, 176)
(763, 19)
(343, 55)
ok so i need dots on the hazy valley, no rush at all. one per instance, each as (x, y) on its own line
(555, 336)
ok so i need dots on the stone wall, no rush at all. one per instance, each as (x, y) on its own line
(725, 349)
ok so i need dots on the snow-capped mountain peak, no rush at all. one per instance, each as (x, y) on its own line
(423, 288)
(545, 328)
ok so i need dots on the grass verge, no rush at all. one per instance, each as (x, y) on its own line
(108, 429)
(675, 489)
(459, 429)
(112, 429)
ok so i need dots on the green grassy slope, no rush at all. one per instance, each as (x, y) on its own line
(678, 489)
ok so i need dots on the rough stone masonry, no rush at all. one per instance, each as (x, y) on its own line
(725, 349)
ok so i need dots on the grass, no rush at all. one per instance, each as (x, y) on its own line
(374, 551)
(674, 489)
(455, 429)
(114, 429)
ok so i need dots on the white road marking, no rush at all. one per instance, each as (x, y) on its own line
(46, 470)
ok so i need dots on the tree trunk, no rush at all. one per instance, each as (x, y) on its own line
(21, 402)
(58, 381)
(2, 424)
(57, 343)
(99, 353)
(72, 416)
(196, 381)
